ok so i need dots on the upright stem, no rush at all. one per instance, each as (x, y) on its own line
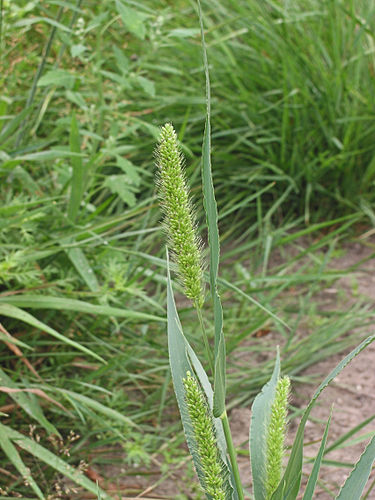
(205, 339)
(232, 455)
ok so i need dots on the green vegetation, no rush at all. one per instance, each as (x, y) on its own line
(86, 86)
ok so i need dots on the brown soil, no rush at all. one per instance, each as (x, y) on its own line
(351, 395)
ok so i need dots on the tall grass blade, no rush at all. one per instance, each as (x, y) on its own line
(8, 130)
(109, 413)
(310, 487)
(345, 437)
(213, 241)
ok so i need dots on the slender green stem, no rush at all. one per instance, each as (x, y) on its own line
(232, 455)
(205, 338)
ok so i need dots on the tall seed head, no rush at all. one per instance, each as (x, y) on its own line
(178, 214)
(205, 436)
(276, 436)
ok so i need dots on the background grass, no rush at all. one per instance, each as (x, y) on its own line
(86, 86)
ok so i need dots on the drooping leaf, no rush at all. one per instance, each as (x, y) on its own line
(109, 413)
(78, 259)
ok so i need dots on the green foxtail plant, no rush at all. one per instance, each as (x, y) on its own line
(209, 436)
(202, 408)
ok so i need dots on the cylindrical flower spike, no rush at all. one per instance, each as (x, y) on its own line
(276, 436)
(178, 213)
(205, 436)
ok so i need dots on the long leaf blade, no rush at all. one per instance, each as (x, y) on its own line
(311, 483)
(210, 207)
(62, 303)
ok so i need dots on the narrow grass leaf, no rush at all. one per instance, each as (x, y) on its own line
(210, 207)
(356, 482)
(61, 303)
(290, 483)
(261, 412)
(230, 286)
(310, 487)
(12, 311)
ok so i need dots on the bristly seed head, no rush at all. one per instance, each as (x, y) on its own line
(178, 214)
(276, 436)
(205, 436)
